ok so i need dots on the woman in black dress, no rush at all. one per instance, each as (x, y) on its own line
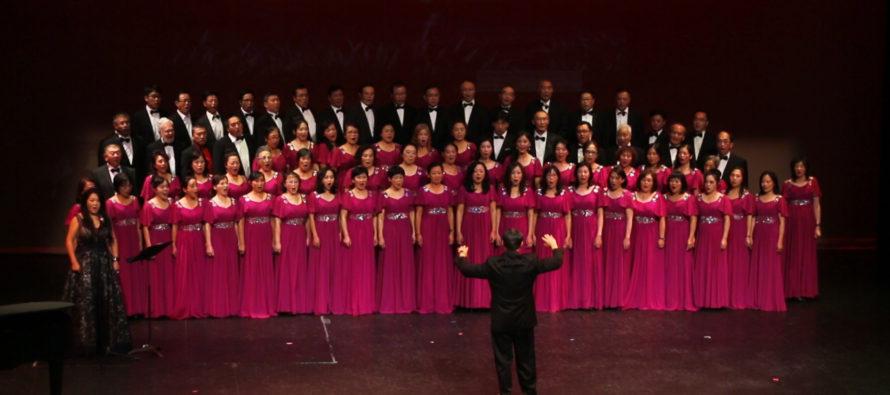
(99, 316)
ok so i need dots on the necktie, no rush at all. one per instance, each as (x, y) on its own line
(116, 170)
(622, 113)
(368, 108)
(250, 114)
(153, 112)
(468, 104)
(166, 144)
(539, 138)
(699, 134)
(398, 106)
(498, 137)
(338, 110)
(125, 139)
(673, 146)
(239, 138)
(431, 109)
(215, 117)
(589, 112)
(724, 157)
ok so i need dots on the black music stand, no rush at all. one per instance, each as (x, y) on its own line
(147, 254)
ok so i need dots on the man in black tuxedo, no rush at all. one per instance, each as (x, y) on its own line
(212, 120)
(502, 138)
(676, 139)
(104, 175)
(182, 119)
(621, 115)
(625, 136)
(234, 141)
(657, 132)
(585, 113)
(583, 134)
(398, 114)
(334, 112)
(728, 160)
(133, 149)
(518, 122)
(543, 140)
(300, 112)
(471, 113)
(169, 145)
(436, 117)
(246, 101)
(272, 117)
(145, 120)
(511, 277)
(199, 144)
(555, 109)
(365, 116)
(703, 143)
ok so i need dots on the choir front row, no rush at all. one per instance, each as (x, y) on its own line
(317, 250)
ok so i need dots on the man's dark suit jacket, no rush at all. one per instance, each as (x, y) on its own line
(478, 126)
(181, 133)
(328, 115)
(178, 146)
(140, 122)
(508, 149)
(549, 146)
(518, 122)
(609, 130)
(211, 137)
(138, 162)
(708, 146)
(404, 130)
(356, 115)
(292, 117)
(248, 131)
(106, 185)
(575, 119)
(262, 124)
(558, 116)
(511, 277)
(733, 162)
(442, 133)
(224, 145)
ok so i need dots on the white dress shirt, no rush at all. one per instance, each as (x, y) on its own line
(276, 119)
(338, 112)
(187, 120)
(127, 146)
(673, 152)
(696, 142)
(433, 115)
(540, 146)
(587, 118)
(468, 110)
(216, 125)
(310, 121)
(154, 118)
(545, 106)
(653, 139)
(171, 154)
(241, 147)
(111, 174)
(722, 164)
(400, 111)
(249, 120)
(498, 143)
(369, 115)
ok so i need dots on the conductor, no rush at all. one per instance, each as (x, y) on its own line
(511, 277)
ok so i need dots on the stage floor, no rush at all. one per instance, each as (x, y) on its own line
(835, 344)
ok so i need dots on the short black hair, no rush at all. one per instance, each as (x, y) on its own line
(121, 180)
(655, 112)
(245, 92)
(397, 84)
(152, 88)
(334, 88)
(365, 85)
(588, 92)
(680, 176)
(512, 239)
(395, 171)
(268, 95)
(428, 87)
(298, 87)
(181, 92)
(209, 93)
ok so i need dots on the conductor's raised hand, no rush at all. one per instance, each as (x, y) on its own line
(463, 251)
(550, 241)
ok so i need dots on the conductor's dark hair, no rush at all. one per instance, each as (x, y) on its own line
(121, 180)
(512, 239)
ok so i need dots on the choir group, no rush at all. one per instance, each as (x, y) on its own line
(359, 210)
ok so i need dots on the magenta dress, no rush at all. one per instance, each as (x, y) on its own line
(631, 175)
(586, 288)
(552, 288)
(224, 272)
(307, 185)
(257, 269)
(279, 163)
(290, 159)
(273, 185)
(474, 293)
(601, 177)
(532, 169)
(133, 276)
(376, 180)
(396, 292)
(326, 261)
(148, 192)
(322, 155)
(710, 284)
(191, 262)
(801, 263)
(414, 181)
(468, 156)
(205, 189)
(646, 291)
(295, 288)
(238, 190)
(75, 209)
(737, 252)
(360, 256)
(514, 214)
(661, 176)
(616, 260)
(695, 180)
(387, 159)
(567, 176)
(435, 266)
(454, 182)
(431, 157)
(766, 262)
(344, 162)
(496, 174)
(679, 263)
(161, 269)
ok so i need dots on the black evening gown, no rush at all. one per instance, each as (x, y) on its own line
(99, 317)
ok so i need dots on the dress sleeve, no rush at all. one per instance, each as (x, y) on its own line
(146, 216)
(691, 207)
(817, 191)
(175, 213)
(567, 202)
(783, 207)
(72, 213)
(748, 204)
(278, 206)
(725, 206)
(461, 196)
(660, 206)
(147, 192)
(538, 170)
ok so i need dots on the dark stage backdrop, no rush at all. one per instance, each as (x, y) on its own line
(784, 77)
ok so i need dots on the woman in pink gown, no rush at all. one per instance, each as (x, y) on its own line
(396, 292)
(300, 142)
(495, 169)
(804, 198)
(190, 252)
(466, 151)
(156, 218)
(278, 158)
(710, 163)
(767, 246)
(306, 172)
(328, 141)
(257, 269)
(198, 168)
(238, 185)
(679, 259)
(160, 166)
(553, 218)
(737, 251)
(586, 288)
(415, 175)
(343, 159)
(387, 152)
(711, 277)
(426, 154)
(453, 176)
(600, 176)
(561, 161)
(366, 157)
(123, 211)
(646, 291)
(613, 236)
(326, 262)
(653, 162)
(435, 227)
(530, 164)
(358, 227)
(224, 242)
(290, 242)
(627, 156)
(685, 164)
(273, 178)
(475, 225)
(516, 208)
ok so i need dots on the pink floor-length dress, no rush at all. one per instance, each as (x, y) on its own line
(431, 157)
(148, 192)
(737, 252)
(326, 261)
(454, 182)
(191, 261)
(360, 255)
(133, 275)
(224, 272)
(801, 261)
(257, 270)
(514, 214)
(476, 229)
(295, 288)
(552, 288)
(396, 282)
(387, 159)
(532, 169)
(205, 189)
(468, 156)
(646, 291)
(414, 181)
(586, 288)
(766, 262)
(238, 190)
(679, 263)
(435, 268)
(711, 277)
(161, 269)
(616, 260)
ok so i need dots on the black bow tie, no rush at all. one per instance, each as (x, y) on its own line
(124, 139)
(545, 106)
(588, 112)
(724, 157)
(622, 113)
(398, 106)
(497, 137)
(239, 138)
(338, 110)
(116, 170)
(154, 112)
(215, 117)
(305, 109)
(653, 134)
(699, 134)
(431, 109)
(166, 144)
(468, 104)
(539, 138)
(671, 146)
(506, 109)
(275, 116)
(250, 114)
(368, 108)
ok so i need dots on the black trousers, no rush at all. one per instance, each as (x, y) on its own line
(522, 343)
